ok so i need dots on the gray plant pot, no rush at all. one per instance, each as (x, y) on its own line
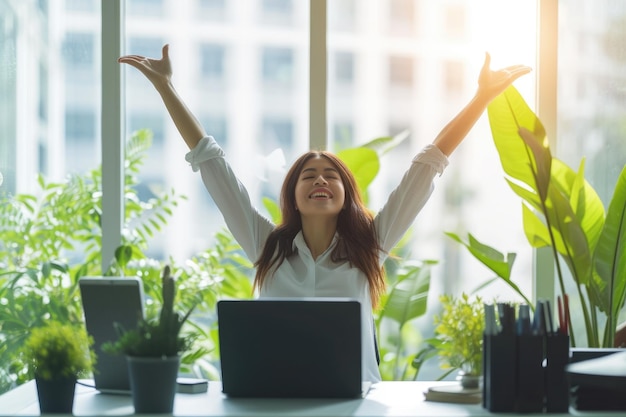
(153, 383)
(56, 395)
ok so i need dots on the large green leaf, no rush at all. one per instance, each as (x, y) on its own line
(490, 257)
(384, 144)
(364, 164)
(535, 230)
(507, 114)
(583, 199)
(408, 298)
(493, 259)
(610, 254)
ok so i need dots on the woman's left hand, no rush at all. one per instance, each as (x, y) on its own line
(491, 83)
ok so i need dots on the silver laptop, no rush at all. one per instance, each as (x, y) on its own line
(291, 348)
(106, 301)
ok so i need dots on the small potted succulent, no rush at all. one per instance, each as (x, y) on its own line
(57, 354)
(153, 350)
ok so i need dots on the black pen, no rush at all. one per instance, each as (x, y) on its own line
(523, 320)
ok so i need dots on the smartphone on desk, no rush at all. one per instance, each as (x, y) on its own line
(191, 385)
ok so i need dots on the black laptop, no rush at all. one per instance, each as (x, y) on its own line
(109, 300)
(291, 348)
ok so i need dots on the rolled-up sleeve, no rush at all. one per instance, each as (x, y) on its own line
(247, 225)
(410, 196)
(206, 149)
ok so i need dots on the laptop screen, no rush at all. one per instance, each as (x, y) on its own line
(282, 347)
(109, 300)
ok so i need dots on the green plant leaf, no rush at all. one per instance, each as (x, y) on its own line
(488, 256)
(535, 230)
(408, 298)
(610, 256)
(273, 209)
(542, 160)
(123, 254)
(364, 164)
(384, 144)
(508, 113)
(493, 259)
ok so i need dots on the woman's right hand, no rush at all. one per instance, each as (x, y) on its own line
(158, 71)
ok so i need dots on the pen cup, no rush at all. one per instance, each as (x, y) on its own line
(499, 370)
(530, 374)
(556, 382)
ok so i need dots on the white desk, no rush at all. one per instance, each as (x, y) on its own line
(384, 399)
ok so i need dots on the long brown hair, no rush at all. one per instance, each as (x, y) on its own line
(357, 242)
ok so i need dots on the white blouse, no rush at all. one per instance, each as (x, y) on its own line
(301, 275)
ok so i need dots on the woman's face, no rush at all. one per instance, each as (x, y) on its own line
(319, 189)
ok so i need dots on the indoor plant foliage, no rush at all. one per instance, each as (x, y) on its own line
(459, 331)
(157, 336)
(59, 350)
(153, 351)
(57, 354)
(561, 211)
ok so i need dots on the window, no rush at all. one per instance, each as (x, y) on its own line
(277, 12)
(277, 133)
(401, 17)
(78, 52)
(146, 46)
(81, 5)
(455, 22)
(454, 77)
(277, 64)
(343, 136)
(212, 61)
(155, 122)
(214, 10)
(344, 67)
(401, 71)
(217, 127)
(80, 125)
(342, 15)
(145, 8)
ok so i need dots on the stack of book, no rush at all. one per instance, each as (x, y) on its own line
(454, 393)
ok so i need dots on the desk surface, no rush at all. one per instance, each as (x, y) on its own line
(389, 398)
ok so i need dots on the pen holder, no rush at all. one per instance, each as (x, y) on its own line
(499, 372)
(556, 382)
(530, 374)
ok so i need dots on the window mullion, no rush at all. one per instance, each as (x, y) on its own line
(112, 132)
(547, 64)
(317, 75)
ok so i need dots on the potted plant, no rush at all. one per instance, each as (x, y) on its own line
(562, 212)
(57, 354)
(153, 351)
(458, 340)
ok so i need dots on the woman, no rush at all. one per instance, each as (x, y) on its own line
(328, 245)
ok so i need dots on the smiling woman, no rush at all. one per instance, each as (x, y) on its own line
(320, 190)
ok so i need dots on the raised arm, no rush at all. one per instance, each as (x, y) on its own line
(490, 85)
(159, 72)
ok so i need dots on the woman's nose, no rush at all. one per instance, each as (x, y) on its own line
(321, 180)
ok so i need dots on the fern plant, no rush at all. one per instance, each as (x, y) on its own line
(42, 236)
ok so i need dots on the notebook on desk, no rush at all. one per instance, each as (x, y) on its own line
(109, 300)
(291, 348)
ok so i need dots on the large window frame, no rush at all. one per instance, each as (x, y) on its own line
(113, 113)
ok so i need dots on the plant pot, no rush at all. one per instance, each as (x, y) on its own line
(469, 381)
(153, 383)
(56, 395)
